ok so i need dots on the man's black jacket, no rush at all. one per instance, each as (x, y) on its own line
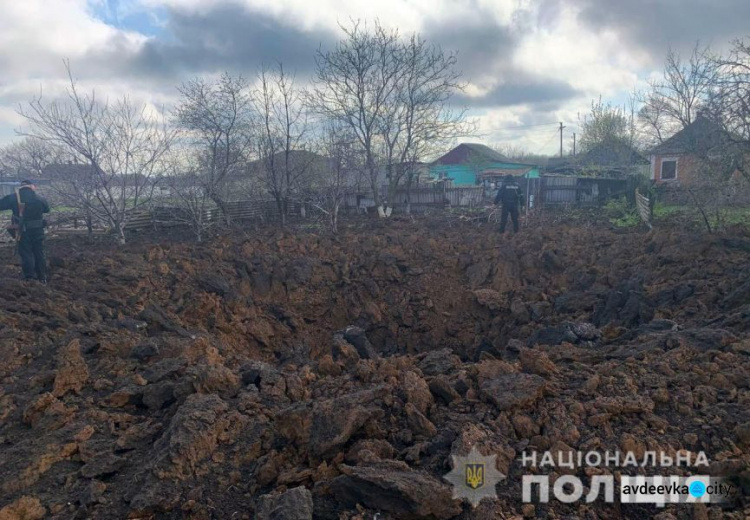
(509, 194)
(34, 205)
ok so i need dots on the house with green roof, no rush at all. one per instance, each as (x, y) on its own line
(472, 164)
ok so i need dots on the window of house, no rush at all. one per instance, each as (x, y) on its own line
(668, 169)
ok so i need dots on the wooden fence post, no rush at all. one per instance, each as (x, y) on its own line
(644, 208)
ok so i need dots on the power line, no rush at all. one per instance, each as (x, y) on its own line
(554, 136)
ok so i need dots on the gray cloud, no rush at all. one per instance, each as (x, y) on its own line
(541, 92)
(485, 51)
(483, 47)
(656, 26)
(228, 37)
(14, 98)
(231, 37)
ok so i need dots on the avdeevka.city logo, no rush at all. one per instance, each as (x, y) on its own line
(474, 476)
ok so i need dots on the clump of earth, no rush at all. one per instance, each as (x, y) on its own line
(295, 375)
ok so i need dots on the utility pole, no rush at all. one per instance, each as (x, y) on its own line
(561, 138)
(574, 144)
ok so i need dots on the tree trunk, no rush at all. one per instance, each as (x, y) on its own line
(89, 225)
(374, 184)
(408, 193)
(223, 208)
(702, 211)
(280, 208)
(119, 230)
(335, 218)
(198, 226)
(392, 186)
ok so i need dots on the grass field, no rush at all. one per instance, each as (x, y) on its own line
(623, 216)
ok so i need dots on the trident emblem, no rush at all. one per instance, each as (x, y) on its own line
(475, 475)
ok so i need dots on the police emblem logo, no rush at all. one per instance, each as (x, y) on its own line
(474, 475)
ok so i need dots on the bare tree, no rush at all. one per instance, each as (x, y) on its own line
(283, 137)
(421, 121)
(74, 186)
(393, 94)
(28, 157)
(730, 105)
(121, 144)
(734, 91)
(345, 163)
(356, 84)
(218, 117)
(715, 192)
(191, 202)
(717, 88)
(673, 102)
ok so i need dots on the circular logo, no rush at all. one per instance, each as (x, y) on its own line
(697, 489)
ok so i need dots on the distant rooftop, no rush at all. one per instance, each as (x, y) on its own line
(472, 152)
(611, 153)
(700, 136)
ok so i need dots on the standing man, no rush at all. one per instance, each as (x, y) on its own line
(511, 197)
(27, 227)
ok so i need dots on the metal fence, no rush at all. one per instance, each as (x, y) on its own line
(577, 190)
(157, 216)
(542, 191)
(419, 198)
(465, 197)
(267, 210)
(153, 216)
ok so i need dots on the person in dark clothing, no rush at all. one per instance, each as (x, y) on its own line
(28, 229)
(510, 197)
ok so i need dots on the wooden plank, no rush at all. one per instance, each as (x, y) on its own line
(644, 208)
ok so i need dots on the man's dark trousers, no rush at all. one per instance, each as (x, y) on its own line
(31, 250)
(513, 210)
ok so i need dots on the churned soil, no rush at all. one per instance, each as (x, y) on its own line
(289, 374)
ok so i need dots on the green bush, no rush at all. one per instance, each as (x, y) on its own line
(621, 214)
(718, 218)
(662, 210)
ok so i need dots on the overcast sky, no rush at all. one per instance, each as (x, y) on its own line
(529, 63)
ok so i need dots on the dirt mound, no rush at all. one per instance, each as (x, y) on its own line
(290, 375)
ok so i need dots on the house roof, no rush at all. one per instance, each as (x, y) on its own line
(17, 180)
(699, 137)
(61, 170)
(297, 159)
(312, 166)
(611, 154)
(502, 172)
(471, 152)
(77, 172)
